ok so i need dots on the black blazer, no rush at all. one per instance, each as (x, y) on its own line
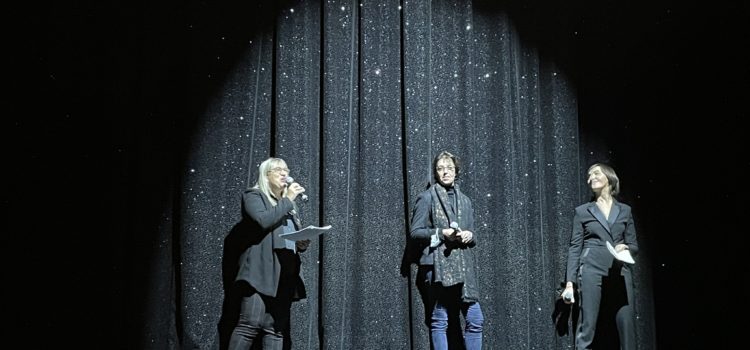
(259, 264)
(592, 230)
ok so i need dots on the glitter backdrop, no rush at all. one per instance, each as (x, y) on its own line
(358, 97)
(131, 129)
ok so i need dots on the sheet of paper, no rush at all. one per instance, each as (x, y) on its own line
(622, 256)
(308, 232)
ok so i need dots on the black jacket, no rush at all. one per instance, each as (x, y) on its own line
(259, 265)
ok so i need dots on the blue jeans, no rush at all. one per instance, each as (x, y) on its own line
(448, 304)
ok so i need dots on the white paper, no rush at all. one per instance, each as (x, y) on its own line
(624, 255)
(308, 232)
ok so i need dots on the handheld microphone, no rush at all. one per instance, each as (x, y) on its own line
(568, 296)
(290, 180)
(454, 225)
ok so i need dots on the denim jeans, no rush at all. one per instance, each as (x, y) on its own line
(448, 304)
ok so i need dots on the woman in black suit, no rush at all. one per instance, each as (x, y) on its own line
(604, 284)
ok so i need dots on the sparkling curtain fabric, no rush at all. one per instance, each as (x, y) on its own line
(358, 97)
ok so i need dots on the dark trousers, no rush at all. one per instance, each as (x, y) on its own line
(264, 318)
(606, 306)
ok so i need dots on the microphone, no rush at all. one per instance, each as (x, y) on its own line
(568, 296)
(290, 180)
(454, 225)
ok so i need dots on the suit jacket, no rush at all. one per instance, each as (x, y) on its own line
(259, 264)
(591, 230)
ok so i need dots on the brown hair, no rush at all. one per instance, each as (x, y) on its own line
(609, 172)
(445, 155)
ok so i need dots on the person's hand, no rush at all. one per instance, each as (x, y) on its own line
(302, 245)
(449, 234)
(293, 190)
(620, 247)
(567, 295)
(465, 236)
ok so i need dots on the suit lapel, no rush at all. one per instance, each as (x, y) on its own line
(594, 210)
(614, 213)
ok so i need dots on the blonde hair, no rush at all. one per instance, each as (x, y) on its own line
(262, 183)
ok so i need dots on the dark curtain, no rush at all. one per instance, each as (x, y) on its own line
(131, 128)
(358, 97)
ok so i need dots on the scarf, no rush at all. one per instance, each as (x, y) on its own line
(454, 261)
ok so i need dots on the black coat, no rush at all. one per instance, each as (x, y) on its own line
(259, 264)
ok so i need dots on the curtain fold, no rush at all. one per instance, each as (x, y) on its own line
(358, 98)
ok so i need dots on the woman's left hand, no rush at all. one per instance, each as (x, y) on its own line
(302, 245)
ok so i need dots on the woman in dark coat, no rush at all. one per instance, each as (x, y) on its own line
(269, 268)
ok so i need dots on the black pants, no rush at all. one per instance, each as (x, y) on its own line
(606, 318)
(263, 317)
